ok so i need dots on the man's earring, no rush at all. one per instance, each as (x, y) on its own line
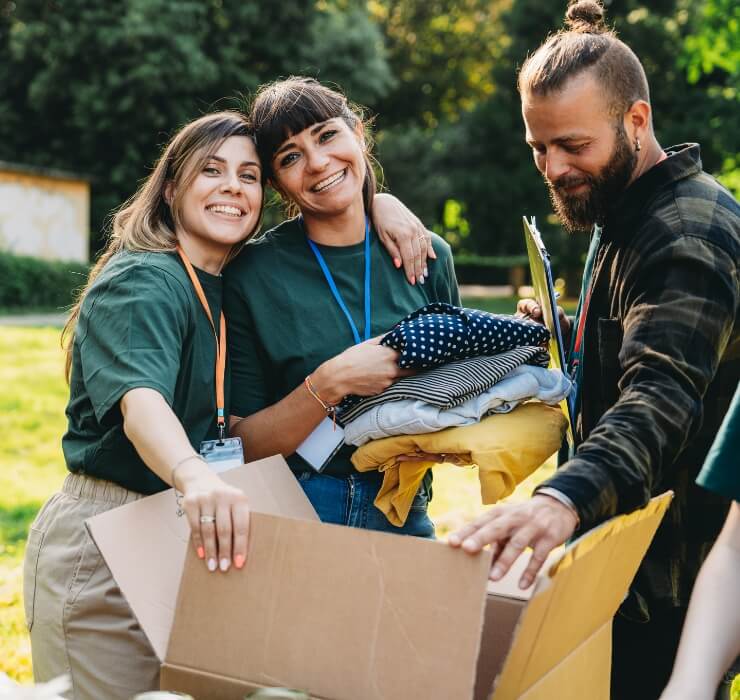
(638, 147)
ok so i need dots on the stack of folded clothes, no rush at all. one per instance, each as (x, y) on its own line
(485, 399)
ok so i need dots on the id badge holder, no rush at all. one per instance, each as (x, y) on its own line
(221, 455)
(322, 444)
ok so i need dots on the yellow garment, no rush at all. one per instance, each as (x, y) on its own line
(506, 448)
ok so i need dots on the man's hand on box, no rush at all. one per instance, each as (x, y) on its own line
(542, 523)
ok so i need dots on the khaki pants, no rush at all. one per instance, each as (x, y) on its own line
(79, 622)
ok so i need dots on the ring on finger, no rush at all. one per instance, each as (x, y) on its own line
(207, 518)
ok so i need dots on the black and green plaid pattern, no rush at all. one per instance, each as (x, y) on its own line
(661, 363)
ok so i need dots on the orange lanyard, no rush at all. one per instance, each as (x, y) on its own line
(220, 344)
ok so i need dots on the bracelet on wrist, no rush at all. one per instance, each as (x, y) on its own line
(330, 409)
(178, 494)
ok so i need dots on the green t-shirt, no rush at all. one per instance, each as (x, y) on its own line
(140, 325)
(721, 470)
(284, 322)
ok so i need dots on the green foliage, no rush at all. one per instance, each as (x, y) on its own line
(716, 44)
(38, 284)
(729, 175)
(455, 228)
(481, 160)
(441, 53)
(97, 86)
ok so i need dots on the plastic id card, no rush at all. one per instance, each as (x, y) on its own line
(222, 454)
(322, 444)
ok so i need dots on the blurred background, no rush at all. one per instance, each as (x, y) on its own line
(91, 89)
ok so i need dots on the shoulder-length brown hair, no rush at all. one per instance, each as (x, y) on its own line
(147, 222)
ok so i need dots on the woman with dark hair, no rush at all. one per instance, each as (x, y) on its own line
(306, 305)
(149, 384)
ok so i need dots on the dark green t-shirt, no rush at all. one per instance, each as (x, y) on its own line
(721, 470)
(284, 322)
(140, 325)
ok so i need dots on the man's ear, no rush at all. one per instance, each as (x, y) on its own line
(637, 120)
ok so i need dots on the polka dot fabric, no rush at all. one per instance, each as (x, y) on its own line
(439, 333)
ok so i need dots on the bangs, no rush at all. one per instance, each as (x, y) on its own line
(285, 109)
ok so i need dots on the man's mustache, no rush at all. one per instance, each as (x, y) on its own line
(567, 182)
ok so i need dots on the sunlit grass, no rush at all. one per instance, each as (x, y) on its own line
(33, 395)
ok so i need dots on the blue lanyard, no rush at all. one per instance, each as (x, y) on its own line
(333, 286)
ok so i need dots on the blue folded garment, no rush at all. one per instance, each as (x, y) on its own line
(439, 333)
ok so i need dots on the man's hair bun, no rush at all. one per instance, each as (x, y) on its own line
(585, 16)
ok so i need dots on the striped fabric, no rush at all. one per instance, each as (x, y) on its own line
(448, 385)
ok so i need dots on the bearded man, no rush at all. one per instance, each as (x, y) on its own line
(655, 348)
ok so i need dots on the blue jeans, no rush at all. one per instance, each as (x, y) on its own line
(349, 501)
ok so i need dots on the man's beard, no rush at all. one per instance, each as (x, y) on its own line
(579, 212)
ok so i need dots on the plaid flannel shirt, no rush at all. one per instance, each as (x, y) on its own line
(661, 361)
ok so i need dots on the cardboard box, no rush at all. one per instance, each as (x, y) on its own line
(350, 614)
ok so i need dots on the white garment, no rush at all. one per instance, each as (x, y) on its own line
(409, 417)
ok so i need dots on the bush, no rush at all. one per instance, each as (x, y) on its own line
(488, 270)
(30, 283)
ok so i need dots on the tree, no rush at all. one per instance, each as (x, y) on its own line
(441, 54)
(96, 86)
(493, 166)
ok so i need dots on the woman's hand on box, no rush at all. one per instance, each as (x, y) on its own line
(218, 515)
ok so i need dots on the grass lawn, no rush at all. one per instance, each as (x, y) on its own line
(32, 421)
(31, 468)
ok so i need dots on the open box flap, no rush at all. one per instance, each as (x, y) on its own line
(144, 542)
(580, 592)
(338, 612)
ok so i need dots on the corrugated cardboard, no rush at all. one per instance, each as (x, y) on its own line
(564, 623)
(144, 543)
(348, 614)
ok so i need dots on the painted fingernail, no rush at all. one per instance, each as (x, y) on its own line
(421, 279)
(413, 280)
(211, 565)
(426, 271)
(397, 262)
(201, 553)
(239, 561)
(224, 565)
(497, 572)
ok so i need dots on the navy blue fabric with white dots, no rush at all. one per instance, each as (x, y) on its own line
(439, 333)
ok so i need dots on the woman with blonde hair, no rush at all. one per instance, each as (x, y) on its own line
(149, 389)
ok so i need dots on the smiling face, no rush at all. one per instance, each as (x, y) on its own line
(322, 169)
(581, 149)
(221, 206)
